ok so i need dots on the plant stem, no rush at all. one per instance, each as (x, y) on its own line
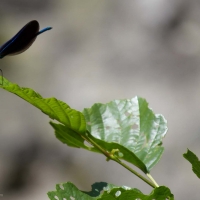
(152, 184)
(152, 179)
(110, 156)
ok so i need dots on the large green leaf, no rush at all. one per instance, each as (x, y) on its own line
(53, 107)
(129, 123)
(194, 160)
(104, 191)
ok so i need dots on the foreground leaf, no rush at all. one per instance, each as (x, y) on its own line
(104, 191)
(193, 159)
(131, 124)
(52, 107)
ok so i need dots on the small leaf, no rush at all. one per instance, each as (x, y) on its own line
(105, 191)
(70, 137)
(68, 191)
(52, 107)
(193, 159)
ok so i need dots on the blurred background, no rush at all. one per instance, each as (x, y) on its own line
(99, 51)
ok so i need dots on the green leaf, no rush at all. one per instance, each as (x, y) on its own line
(125, 193)
(70, 137)
(193, 159)
(130, 124)
(104, 191)
(68, 191)
(52, 107)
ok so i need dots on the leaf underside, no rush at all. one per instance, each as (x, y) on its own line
(131, 124)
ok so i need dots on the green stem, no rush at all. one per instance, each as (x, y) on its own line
(114, 158)
(152, 179)
(107, 154)
(136, 173)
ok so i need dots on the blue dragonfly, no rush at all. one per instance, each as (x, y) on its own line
(22, 40)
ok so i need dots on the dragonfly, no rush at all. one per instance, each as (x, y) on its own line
(22, 40)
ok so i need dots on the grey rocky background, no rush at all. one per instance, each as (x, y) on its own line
(99, 51)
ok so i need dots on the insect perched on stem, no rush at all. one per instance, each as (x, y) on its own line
(22, 40)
